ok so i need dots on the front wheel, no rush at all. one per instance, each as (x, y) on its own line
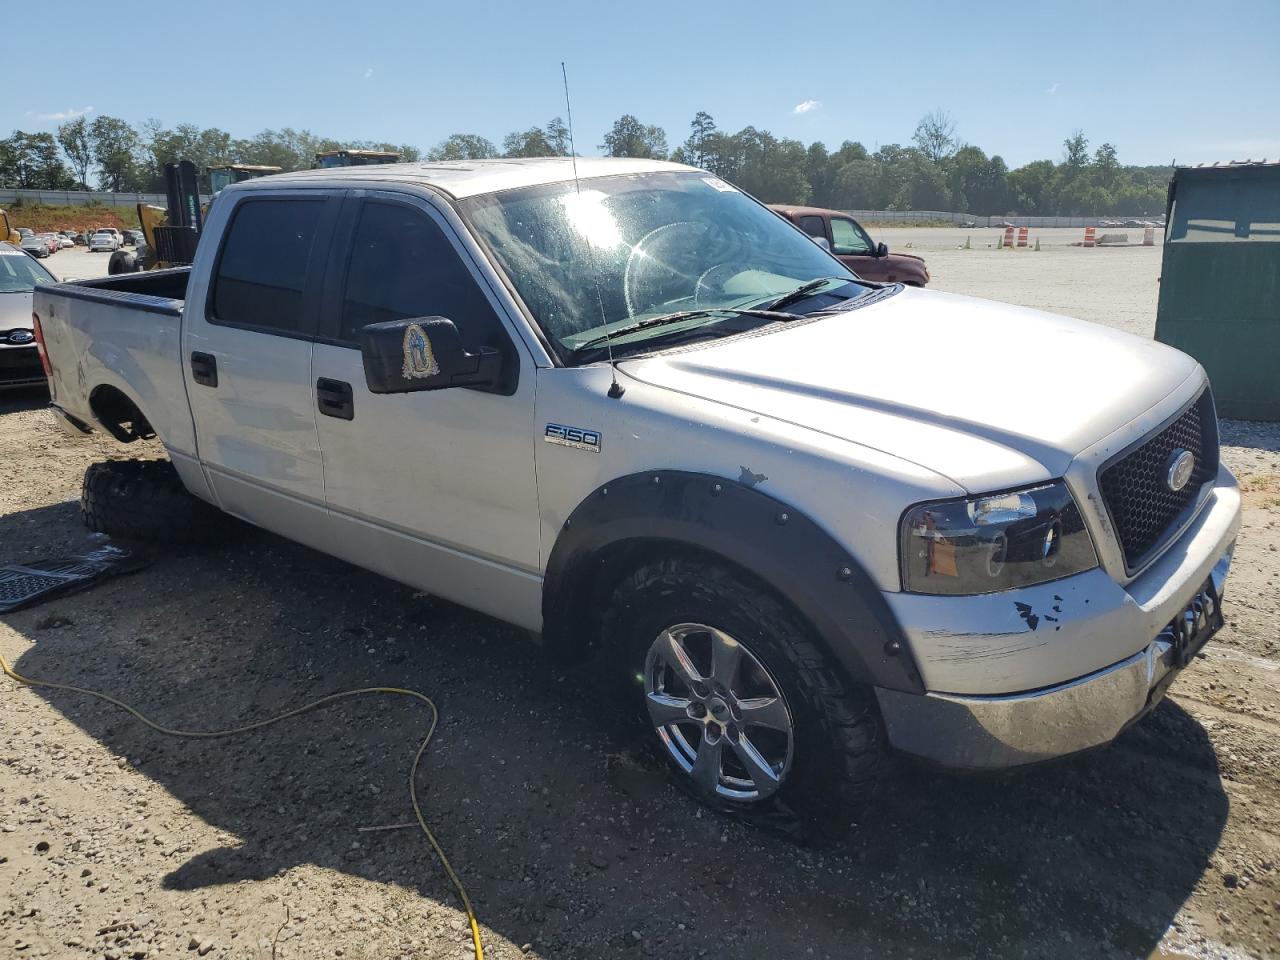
(747, 709)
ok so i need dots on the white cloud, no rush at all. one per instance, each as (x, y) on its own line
(804, 106)
(368, 72)
(69, 114)
(1053, 88)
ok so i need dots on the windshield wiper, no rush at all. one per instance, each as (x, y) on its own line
(802, 291)
(669, 318)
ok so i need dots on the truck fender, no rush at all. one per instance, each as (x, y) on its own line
(658, 510)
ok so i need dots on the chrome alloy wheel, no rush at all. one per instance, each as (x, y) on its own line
(720, 715)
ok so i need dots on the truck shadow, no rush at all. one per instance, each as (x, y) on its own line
(566, 836)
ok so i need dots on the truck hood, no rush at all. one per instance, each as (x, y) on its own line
(15, 312)
(986, 394)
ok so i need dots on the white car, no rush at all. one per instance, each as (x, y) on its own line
(802, 518)
(108, 240)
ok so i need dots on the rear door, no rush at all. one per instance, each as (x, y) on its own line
(247, 342)
(432, 488)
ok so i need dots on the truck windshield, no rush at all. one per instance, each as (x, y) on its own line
(628, 248)
(22, 274)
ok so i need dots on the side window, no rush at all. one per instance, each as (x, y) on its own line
(813, 226)
(262, 272)
(402, 265)
(847, 238)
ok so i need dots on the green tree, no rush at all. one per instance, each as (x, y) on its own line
(115, 150)
(1075, 152)
(77, 146)
(1106, 164)
(630, 138)
(463, 146)
(977, 184)
(1033, 188)
(30, 161)
(549, 141)
(694, 149)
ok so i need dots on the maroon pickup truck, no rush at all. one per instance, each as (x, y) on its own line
(844, 236)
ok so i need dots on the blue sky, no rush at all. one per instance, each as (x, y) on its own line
(1161, 80)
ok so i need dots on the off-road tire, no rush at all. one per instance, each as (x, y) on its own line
(145, 500)
(839, 748)
(122, 262)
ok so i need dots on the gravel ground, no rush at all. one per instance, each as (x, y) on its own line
(116, 842)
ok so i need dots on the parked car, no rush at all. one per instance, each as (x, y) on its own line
(104, 239)
(798, 516)
(26, 232)
(36, 246)
(64, 241)
(19, 360)
(51, 239)
(844, 237)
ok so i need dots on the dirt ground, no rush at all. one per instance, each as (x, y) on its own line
(116, 842)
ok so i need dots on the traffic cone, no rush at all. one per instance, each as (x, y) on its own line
(1037, 244)
(966, 242)
(999, 241)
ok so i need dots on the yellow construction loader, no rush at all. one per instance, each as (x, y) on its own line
(7, 233)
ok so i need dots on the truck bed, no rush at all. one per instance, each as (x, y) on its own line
(119, 335)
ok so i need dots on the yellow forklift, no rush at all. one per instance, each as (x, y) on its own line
(170, 233)
(7, 233)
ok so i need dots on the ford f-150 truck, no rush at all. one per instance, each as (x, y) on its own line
(805, 518)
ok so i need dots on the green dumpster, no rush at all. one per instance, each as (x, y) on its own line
(1220, 282)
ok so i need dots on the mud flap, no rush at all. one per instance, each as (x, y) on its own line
(26, 584)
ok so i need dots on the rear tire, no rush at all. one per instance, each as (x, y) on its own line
(826, 764)
(145, 500)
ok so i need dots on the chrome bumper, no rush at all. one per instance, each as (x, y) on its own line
(1008, 730)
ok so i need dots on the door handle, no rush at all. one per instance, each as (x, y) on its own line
(204, 369)
(334, 399)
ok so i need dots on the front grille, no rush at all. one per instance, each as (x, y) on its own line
(1144, 511)
(20, 363)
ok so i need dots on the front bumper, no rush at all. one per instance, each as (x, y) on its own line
(1000, 697)
(20, 367)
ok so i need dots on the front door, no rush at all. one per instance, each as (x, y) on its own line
(433, 488)
(246, 356)
(850, 243)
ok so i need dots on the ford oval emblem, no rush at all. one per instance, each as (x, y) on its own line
(21, 336)
(1181, 465)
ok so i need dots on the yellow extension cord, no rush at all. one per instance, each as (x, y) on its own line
(314, 704)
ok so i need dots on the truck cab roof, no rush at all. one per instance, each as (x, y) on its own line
(469, 178)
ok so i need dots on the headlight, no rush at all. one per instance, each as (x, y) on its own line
(992, 543)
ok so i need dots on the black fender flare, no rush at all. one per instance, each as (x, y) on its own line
(746, 527)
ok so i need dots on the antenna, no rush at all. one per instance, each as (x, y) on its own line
(616, 389)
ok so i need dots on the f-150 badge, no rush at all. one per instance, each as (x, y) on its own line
(575, 437)
(419, 360)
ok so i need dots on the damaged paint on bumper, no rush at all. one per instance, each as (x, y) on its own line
(1013, 693)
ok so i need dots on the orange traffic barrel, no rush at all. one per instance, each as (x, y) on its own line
(1089, 236)
(1149, 237)
(1008, 236)
(1022, 236)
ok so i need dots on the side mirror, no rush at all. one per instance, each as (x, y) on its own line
(823, 242)
(424, 353)
(882, 249)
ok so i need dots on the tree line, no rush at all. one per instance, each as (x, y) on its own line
(936, 171)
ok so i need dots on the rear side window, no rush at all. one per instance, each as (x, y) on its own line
(402, 265)
(813, 226)
(262, 272)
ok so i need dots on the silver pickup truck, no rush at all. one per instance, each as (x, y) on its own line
(803, 518)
